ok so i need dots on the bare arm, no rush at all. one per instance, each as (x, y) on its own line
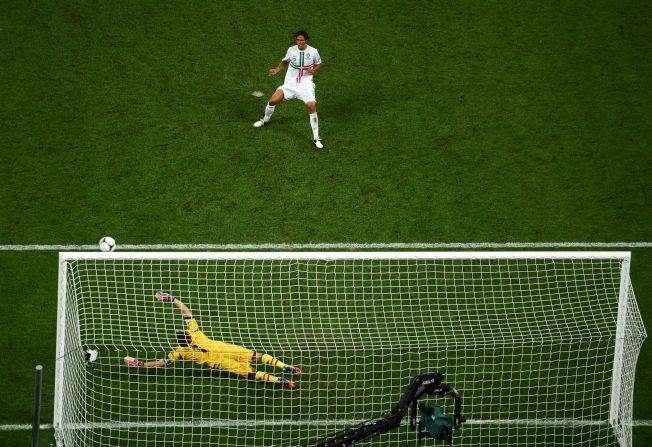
(279, 67)
(314, 69)
(154, 364)
(132, 361)
(176, 301)
(183, 308)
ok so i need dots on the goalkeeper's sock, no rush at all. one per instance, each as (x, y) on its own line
(265, 377)
(268, 112)
(269, 360)
(314, 123)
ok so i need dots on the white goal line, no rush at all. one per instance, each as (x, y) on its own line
(319, 423)
(334, 246)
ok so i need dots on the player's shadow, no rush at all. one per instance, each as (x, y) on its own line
(345, 103)
(185, 372)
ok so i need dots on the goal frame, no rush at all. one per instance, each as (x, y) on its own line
(64, 257)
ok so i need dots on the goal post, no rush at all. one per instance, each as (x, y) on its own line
(629, 335)
(542, 346)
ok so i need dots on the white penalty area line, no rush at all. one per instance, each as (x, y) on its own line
(334, 246)
(18, 427)
(322, 423)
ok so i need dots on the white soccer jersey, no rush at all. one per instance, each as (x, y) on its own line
(300, 61)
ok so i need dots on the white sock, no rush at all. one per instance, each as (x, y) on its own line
(268, 112)
(314, 123)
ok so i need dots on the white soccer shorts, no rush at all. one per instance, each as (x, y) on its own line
(304, 92)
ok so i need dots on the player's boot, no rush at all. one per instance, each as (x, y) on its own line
(261, 123)
(318, 144)
(288, 383)
(292, 370)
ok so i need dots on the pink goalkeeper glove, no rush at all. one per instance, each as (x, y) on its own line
(131, 361)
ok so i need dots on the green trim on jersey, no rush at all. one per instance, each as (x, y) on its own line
(300, 61)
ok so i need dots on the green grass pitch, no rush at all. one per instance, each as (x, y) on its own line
(444, 121)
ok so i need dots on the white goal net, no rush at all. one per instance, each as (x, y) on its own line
(542, 346)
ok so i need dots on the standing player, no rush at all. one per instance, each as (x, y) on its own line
(302, 61)
(194, 345)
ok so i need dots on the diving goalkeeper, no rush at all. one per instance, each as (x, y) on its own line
(194, 345)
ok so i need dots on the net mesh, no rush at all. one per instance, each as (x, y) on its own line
(528, 343)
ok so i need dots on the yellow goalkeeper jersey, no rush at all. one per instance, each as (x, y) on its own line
(198, 338)
(196, 355)
(205, 351)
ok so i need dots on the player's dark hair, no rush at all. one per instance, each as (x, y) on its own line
(301, 33)
(183, 339)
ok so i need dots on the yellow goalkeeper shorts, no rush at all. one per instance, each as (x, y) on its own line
(229, 351)
(235, 367)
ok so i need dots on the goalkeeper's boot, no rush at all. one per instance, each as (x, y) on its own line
(131, 361)
(164, 296)
(261, 123)
(288, 383)
(318, 143)
(292, 370)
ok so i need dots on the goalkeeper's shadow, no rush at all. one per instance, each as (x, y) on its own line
(183, 375)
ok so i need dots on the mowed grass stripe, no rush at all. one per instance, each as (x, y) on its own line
(331, 246)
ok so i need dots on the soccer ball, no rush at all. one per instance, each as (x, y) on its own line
(107, 243)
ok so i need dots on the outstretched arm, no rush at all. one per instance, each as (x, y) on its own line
(176, 301)
(279, 67)
(131, 361)
(154, 364)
